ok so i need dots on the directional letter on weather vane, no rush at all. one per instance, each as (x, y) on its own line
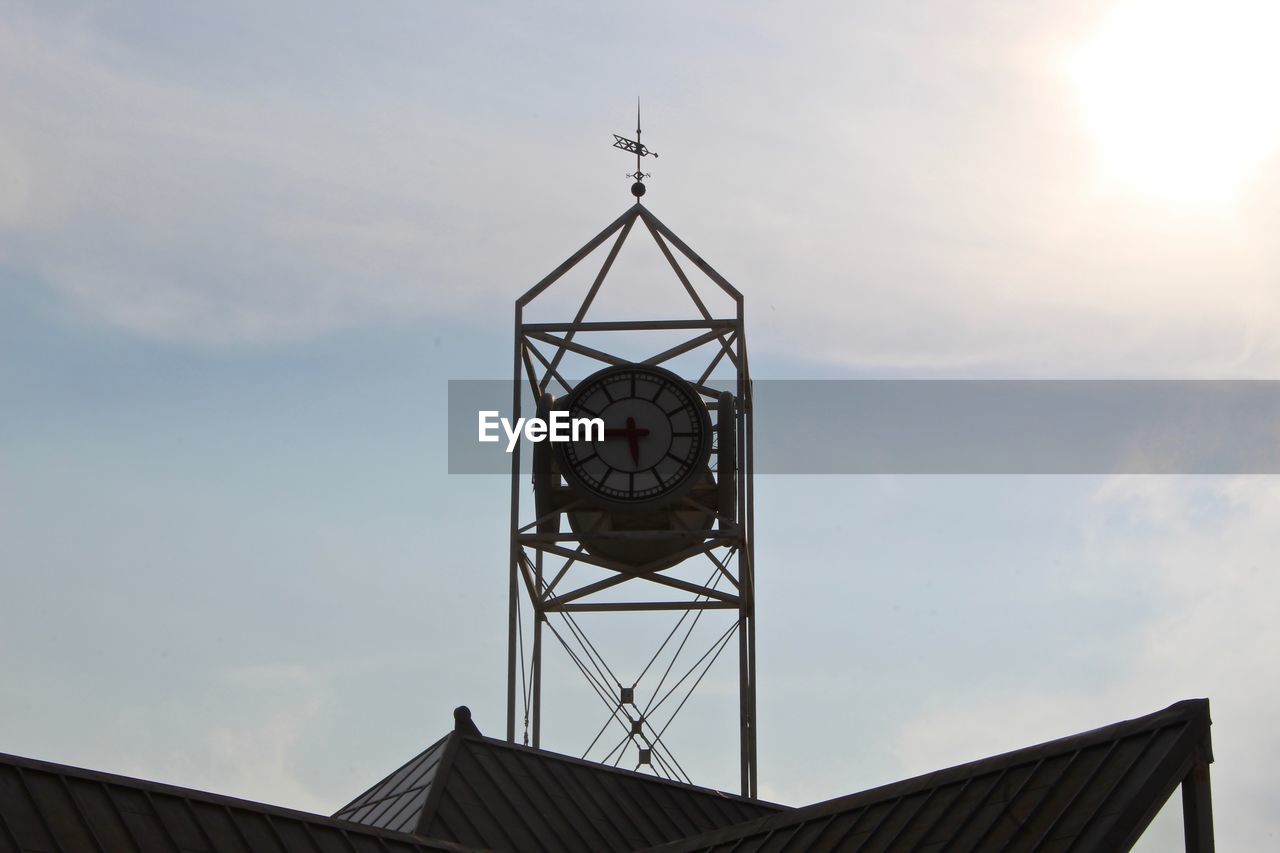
(637, 189)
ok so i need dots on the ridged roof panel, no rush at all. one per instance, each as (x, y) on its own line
(1093, 791)
(52, 807)
(397, 801)
(507, 797)
(484, 792)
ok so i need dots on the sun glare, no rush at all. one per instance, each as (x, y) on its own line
(1181, 98)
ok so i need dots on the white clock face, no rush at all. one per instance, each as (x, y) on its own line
(657, 434)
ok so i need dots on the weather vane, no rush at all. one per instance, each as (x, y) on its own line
(637, 189)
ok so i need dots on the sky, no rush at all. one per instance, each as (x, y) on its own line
(244, 247)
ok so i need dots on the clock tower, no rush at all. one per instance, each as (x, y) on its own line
(650, 515)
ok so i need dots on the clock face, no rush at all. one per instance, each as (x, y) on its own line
(657, 435)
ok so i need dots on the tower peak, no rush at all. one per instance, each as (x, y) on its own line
(636, 147)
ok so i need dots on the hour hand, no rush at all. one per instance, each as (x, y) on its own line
(632, 434)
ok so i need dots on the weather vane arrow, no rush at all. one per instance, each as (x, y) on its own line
(637, 148)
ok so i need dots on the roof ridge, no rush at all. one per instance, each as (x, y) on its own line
(452, 742)
(153, 787)
(381, 781)
(1183, 709)
(1186, 711)
(646, 777)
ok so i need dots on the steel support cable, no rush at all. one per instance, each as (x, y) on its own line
(613, 712)
(661, 765)
(713, 580)
(600, 666)
(656, 764)
(724, 642)
(655, 745)
(619, 745)
(622, 743)
(659, 742)
(599, 691)
(721, 642)
(592, 653)
(605, 728)
(656, 654)
(671, 772)
(711, 577)
(587, 648)
(651, 707)
(600, 687)
(658, 748)
(596, 739)
(587, 644)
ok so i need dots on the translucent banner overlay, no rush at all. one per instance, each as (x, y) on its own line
(964, 426)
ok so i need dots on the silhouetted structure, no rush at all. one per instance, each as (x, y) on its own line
(657, 513)
(496, 795)
(1095, 791)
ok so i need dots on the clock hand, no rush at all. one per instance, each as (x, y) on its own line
(632, 434)
(633, 441)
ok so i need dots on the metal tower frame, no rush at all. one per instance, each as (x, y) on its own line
(542, 563)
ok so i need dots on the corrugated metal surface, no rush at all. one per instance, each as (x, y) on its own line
(1095, 791)
(1092, 792)
(58, 809)
(396, 802)
(488, 793)
(507, 797)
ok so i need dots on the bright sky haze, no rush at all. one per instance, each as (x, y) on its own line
(244, 246)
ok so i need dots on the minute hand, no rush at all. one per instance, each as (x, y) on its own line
(632, 434)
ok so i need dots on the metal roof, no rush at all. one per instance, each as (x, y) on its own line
(1093, 791)
(396, 802)
(489, 793)
(51, 807)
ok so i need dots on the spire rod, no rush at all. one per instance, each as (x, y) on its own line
(637, 188)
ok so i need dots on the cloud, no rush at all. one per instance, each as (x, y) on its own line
(259, 752)
(1196, 549)
(179, 211)
(900, 193)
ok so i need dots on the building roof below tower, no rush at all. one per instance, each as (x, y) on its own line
(489, 793)
(1093, 791)
(52, 807)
